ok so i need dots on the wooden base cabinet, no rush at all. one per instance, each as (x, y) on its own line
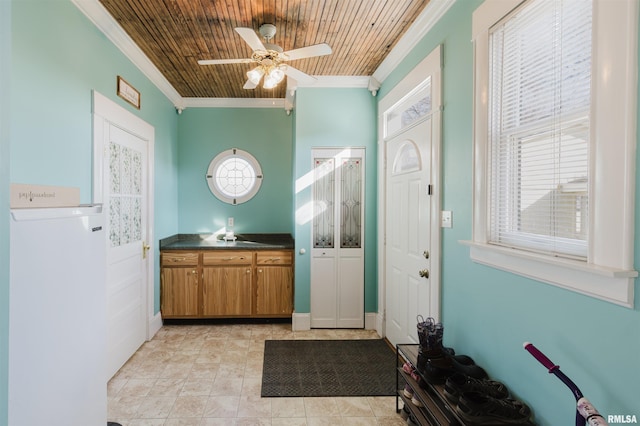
(274, 283)
(227, 284)
(179, 285)
(226, 291)
(181, 295)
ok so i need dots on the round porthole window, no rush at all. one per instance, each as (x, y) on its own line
(234, 176)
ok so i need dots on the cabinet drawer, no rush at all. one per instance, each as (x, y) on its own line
(179, 258)
(274, 258)
(216, 257)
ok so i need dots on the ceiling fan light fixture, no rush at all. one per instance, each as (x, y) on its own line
(269, 58)
(277, 73)
(269, 82)
(273, 76)
(255, 74)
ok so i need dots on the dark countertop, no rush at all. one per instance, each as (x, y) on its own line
(212, 242)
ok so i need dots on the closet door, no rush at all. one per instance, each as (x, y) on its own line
(337, 263)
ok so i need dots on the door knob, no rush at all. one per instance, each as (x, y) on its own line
(145, 249)
(424, 273)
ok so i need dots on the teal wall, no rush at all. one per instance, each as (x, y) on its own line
(58, 58)
(488, 313)
(266, 133)
(55, 57)
(335, 118)
(5, 86)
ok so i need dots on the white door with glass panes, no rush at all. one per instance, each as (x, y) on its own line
(337, 254)
(123, 148)
(411, 203)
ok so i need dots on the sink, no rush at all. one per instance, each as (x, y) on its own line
(239, 241)
(243, 241)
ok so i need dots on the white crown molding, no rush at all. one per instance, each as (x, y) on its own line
(101, 18)
(420, 27)
(339, 81)
(232, 103)
(114, 32)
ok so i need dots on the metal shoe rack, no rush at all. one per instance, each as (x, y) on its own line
(435, 410)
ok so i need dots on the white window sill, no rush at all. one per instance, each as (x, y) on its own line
(612, 285)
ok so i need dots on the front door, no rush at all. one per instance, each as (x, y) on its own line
(408, 232)
(122, 183)
(411, 205)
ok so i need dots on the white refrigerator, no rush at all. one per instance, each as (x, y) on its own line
(57, 318)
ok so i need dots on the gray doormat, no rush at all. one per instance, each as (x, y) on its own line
(298, 368)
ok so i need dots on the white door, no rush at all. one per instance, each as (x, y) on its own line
(337, 256)
(411, 206)
(408, 232)
(123, 145)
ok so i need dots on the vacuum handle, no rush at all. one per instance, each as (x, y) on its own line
(542, 358)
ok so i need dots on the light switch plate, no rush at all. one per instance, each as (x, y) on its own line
(446, 219)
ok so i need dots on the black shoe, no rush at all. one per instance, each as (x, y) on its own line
(478, 409)
(457, 384)
(436, 370)
(461, 365)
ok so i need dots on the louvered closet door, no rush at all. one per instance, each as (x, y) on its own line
(337, 262)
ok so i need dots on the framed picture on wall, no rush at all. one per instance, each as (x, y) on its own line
(128, 92)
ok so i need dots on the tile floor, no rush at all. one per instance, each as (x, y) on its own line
(210, 375)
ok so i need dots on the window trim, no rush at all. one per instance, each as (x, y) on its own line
(608, 273)
(218, 161)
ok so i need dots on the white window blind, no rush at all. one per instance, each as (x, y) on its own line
(539, 127)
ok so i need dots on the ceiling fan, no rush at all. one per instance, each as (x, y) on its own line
(270, 58)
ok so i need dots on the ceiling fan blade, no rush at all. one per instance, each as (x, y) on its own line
(224, 61)
(299, 76)
(308, 52)
(249, 85)
(251, 38)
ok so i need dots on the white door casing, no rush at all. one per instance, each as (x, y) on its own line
(409, 208)
(337, 253)
(123, 158)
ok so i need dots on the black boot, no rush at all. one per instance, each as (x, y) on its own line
(434, 360)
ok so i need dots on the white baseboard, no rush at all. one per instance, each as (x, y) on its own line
(301, 322)
(380, 325)
(370, 321)
(154, 325)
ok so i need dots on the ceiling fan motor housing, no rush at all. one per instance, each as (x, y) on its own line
(267, 31)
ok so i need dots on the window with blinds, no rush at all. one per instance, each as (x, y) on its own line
(539, 127)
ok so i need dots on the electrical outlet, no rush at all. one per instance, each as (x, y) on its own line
(446, 219)
(230, 221)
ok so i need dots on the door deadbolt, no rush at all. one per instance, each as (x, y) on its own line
(425, 254)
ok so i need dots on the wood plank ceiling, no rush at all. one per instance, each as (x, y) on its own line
(175, 34)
